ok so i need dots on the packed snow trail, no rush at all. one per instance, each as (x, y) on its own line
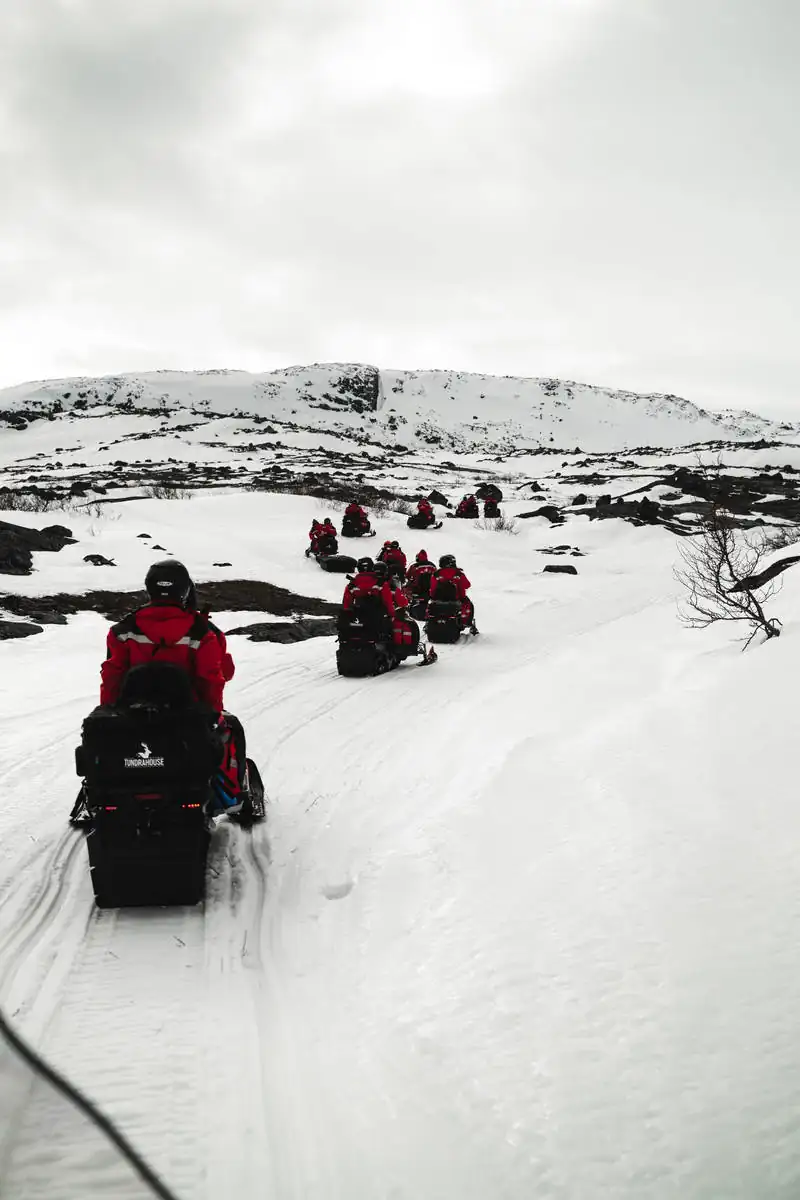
(518, 926)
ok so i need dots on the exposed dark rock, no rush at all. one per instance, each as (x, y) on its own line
(97, 560)
(581, 498)
(17, 545)
(437, 498)
(489, 491)
(561, 569)
(144, 535)
(17, 629)
(757, 581)
(286, 632)
(601, 501)
(553, 514)
(232, 595)
(226, 564)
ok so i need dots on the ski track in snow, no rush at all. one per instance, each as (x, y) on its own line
(497, 940)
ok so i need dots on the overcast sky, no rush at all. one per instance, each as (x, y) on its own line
(602, 190)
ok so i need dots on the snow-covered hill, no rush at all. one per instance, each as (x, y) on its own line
(456, 411)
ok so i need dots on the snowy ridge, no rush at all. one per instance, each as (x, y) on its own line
(459, 411)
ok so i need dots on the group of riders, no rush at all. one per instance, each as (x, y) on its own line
(400, 594)
(468, 507)
(355, 523)
(172, 628)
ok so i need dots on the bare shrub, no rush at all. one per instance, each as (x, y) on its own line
(30, 502)
(781, 536)
(723, 576)
(167, 491)
(501, 524)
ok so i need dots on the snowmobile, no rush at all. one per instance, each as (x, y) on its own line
(366, 646)
(420, 521)
(147, 799)
(326, 546)
(352, 527)
(446, 618)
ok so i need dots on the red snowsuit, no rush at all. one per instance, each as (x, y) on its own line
(404, 633)
(416, 572)
(456, 575)
(467, 507)
(367, 584)
(393, 555)
(314, 534)
(170, 634)
(461, 584)
(328, 529)
(426, 509)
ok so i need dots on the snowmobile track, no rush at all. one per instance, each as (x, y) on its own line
(36, 915)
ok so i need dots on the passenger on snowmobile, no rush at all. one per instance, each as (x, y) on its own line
(171, 629)
(405, 631)
(491, 507)
(328, 527)
(451, 582)
(394, 558)
(368, 583)
(419, 575)
(313, 535)
(356, 516)
(468, 507)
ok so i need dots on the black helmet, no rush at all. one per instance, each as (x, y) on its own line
(395, 545)
(327, 521)
(365, 564)
(380, 570)
(169, 582)
(447, 560)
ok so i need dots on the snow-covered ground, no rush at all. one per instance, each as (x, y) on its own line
(519, 927)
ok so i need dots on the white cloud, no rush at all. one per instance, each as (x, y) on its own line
(602, 189)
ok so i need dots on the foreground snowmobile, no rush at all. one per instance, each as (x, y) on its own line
(366, 646)
(147, 800)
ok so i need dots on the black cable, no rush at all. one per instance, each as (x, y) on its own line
(81, 1102)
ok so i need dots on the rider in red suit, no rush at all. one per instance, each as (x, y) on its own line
(171, 629)
(418, 570)
(167, 631)
(368, 582)
(449, 571)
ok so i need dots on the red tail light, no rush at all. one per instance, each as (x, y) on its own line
(190, 806)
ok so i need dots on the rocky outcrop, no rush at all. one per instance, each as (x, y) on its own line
(17, 545)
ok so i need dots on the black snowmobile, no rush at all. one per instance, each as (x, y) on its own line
(352, 527)
(444, 619)
(366, 646)
(147, 800)
(420, 521)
